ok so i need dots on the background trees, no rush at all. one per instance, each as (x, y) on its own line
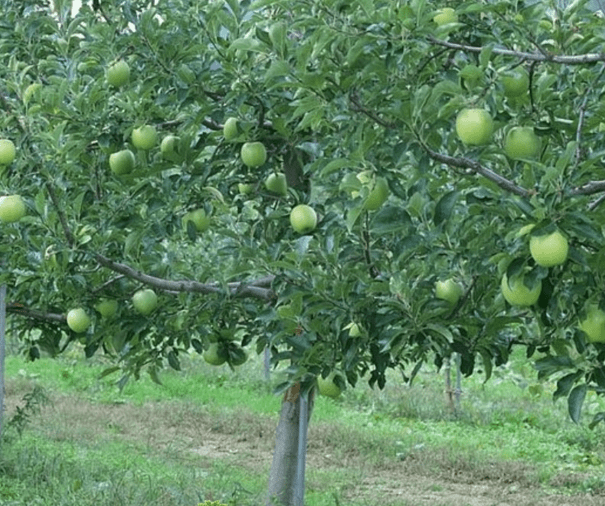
(356, 104)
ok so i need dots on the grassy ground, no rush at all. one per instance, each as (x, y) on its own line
(208, 433)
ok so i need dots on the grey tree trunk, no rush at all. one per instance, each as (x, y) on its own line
(2, 351)
(286, 479)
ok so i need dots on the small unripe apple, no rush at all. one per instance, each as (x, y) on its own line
(276, 183)
(78, 320)
(521, 143)
(517, 294)
(199, 219)
(118, 74)
(12, 208)
(449, 291)
(474, 126)
(169, 145)
(230, 130)
(303, 219)
(145, 137)
(7, 152)
(550, 249)
(122, 162)
(145, 301)
(215, 354)
(378, 195)
(515, 82)
(107, 307)
(445, 16)
(593, 325)
(253, 154)
(327, 386)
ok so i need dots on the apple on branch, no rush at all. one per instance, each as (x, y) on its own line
(12, 208)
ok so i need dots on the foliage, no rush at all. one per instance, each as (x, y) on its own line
(334, 90)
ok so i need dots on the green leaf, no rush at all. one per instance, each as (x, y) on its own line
(575, 402)
(445, 206)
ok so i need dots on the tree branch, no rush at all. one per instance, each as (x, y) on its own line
(258, 289)
(477, 168)
(20, 309)
(589, 188)
(580, 59)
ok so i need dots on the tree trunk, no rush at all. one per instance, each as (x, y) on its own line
(2, 349)
(286, 479)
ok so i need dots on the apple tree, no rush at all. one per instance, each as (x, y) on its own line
(354, 186)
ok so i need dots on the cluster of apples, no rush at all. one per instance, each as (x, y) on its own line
(253, 154)
(12, 207)
(144, 301)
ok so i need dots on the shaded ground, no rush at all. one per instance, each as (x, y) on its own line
(192, 433)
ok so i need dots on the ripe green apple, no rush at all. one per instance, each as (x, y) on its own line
(515, 82)
(78, 320)
(215, 354)
(107, 307)
(517, 294)
(118, 74)
(122, 162)
(449, 291)
(276, 183)
(253, 154)
(474, 126)
(199, 219)
(550, 249)
(521, 143)
(144, 137)
(230, 129)
(594, 325)
(169, 146)
(7, 151)
(327, 386)
(145, 301)
(303, 219)
(445, 16)
(378, 195)
(12, 208)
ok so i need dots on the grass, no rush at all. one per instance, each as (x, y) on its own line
(207, 434)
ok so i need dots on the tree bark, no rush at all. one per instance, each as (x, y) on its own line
(2, 351)
(287, 470)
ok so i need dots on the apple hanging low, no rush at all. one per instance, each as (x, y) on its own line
(303, 219)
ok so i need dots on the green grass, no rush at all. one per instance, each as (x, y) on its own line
(207, 434)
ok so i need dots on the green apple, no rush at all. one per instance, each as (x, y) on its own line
(118, 74)
(230, 129)
(378, 195)
(515, 82)
(245, 188)
(521, 143)
(169, 146)
(303, 219)
(474, 126)
(449, 291)
(327, 386)
(7, 151)
(107, 307)
(354, 329)
(517, 294)
(593, 325)
(12, 208)
(78, 320)
(145, 301)
(550, 249)
(253, 154)
(144, 137)
(215, 354)
(276, 183)
(199, 219)
(445, 16)
(122, 162)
